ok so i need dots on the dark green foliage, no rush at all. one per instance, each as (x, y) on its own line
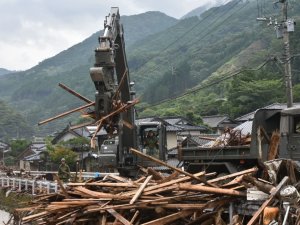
(167, 58)
(13, 124)
(18, 146)
(253, 90)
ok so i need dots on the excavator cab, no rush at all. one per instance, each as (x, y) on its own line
(151, 141)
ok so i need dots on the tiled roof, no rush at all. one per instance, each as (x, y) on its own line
(250, 115)
(215, 121)
(245, 128)
(184, 127)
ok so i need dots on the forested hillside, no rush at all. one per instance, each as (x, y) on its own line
(4, 71)
(220, 62)
(12, 124)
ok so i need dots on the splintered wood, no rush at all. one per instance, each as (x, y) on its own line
(167, 199)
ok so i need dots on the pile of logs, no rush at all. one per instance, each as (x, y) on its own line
(178, 198)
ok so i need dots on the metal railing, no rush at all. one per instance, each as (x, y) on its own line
(32, 186)
(85, 175)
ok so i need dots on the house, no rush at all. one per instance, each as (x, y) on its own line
(32, 158)
(176, 128)
(68, 134)
(250, 116)
(4, 147)
(179, 128)
(218, 123)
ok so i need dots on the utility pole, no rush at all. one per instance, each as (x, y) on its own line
(283, 28)
(287, 57)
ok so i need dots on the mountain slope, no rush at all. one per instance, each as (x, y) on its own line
(166, 58)
(35, 92)
(4, 71)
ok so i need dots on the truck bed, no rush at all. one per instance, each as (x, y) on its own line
(216, 153)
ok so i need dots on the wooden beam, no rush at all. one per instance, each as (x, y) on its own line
(140, 190)
(170, 218)
(212, 190)
(118, 216)
(66, 113)
(74, 93)
(167, 165)
(103, 184)
(268, 201)
(65, 193)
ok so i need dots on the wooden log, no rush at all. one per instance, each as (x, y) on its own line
(268, 201)
(170, 177)
(167, 165)
(154, 187)
(140, 190)
(65, 193)
(170, 218)
(212, 190)
(134, 216)
(74, 93)
(266, 188)
(118, 216)
(66, 113)
(252, 170)
(156, 175)
(274, 144)
(100, 195)
(103, 184)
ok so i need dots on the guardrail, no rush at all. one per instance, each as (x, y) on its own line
(84, 175)
(28, 185)
(33, 186)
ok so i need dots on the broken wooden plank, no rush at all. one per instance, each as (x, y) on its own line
(267, 202)
(65, 193)
(156, 175)
(169, 166)
(140, 190)
(118, 216)
(212, 190)
(102, 184)
(170, 218)
(71, 91)
(66, 113)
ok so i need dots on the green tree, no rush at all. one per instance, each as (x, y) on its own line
(60, 152)
(253, 90)
(18, 146)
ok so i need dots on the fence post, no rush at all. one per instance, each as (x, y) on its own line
(48, 187)
(55, 187)
(14, 183)
(33, 186)
(26, 185)
(20, 184)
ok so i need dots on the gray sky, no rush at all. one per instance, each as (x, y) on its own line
(33, 30)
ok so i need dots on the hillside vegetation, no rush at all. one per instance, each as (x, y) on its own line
(195, 58)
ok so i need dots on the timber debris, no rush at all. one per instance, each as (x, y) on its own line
(247, 197)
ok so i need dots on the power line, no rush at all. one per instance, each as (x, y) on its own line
(178, 38)
(194, 90)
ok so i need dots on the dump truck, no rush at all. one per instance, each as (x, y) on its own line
(229, 159)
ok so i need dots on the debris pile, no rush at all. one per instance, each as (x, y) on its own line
(238, 198)
(232, 137)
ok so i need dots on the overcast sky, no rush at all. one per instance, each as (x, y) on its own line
(33, 30)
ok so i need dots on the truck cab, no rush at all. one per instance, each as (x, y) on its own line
(229, 159)
(290, 133)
